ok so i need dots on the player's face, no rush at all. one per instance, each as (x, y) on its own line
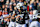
(0, 13)
(31, 12)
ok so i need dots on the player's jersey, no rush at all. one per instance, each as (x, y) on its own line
(13, 20)
(32, 17)
(34, 24)
(22, 18)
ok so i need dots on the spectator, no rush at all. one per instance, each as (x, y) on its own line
(38, 8)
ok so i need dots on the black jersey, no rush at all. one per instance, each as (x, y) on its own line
(22, 21)
(13, 20)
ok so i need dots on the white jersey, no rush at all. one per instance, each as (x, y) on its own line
(32, 16)
(34, 24)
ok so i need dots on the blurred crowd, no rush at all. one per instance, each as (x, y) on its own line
(19, 13)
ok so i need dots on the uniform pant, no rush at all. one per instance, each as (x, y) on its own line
(20, 25)
(12, 24)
